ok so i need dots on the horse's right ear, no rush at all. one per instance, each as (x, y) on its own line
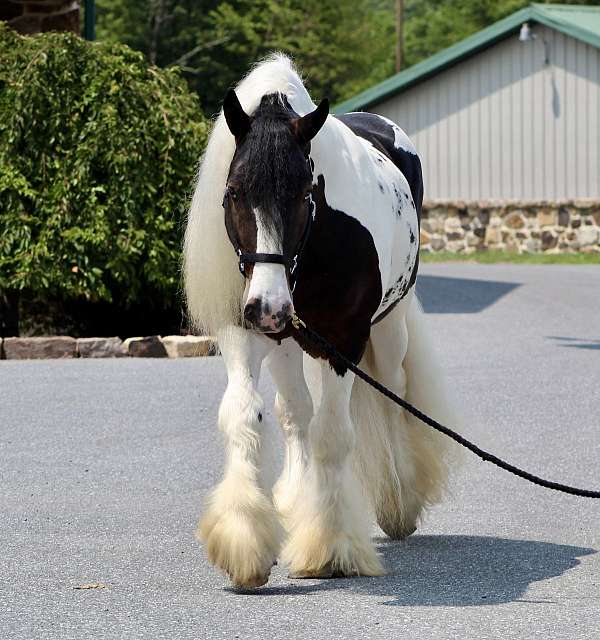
(307, 127)
(237, 119)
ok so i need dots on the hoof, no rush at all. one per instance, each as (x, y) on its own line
(323, 573)
(241, 537)
(396, 530)
(409, 533)
(252, 582)
(310, 553)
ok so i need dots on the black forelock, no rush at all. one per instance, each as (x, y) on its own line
(271, 166)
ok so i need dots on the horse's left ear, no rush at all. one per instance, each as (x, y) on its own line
(307, 127)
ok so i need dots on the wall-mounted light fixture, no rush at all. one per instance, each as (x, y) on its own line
(526, 34)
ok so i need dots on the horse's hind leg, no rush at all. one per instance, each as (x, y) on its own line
(394, 469)
(240, 528)
(294, 409)
(329, 534)
(403, 460)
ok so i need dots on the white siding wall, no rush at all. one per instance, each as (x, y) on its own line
(504, 125)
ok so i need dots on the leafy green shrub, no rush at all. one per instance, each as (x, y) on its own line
(97, 155)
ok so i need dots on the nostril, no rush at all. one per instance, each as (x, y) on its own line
(287, 310)
(252, 311)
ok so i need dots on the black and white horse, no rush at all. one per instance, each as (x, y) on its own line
(321, 216)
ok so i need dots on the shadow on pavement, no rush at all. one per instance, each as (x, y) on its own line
(470, 570)
(452, 571)
(575, 343)
(439, 294)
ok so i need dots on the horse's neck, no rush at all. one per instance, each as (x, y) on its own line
(342, 159)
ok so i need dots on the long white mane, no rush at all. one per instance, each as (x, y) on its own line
(213, 284)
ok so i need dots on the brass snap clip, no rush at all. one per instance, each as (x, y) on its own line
(297, 322)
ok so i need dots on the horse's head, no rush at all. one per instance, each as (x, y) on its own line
(268, 200)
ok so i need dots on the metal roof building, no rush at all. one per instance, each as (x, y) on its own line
(510, 113)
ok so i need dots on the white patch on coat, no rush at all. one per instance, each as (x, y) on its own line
(401, 140)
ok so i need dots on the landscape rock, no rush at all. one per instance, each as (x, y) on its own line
(549, 239)
(437, 243)
(148, 347)
(100, 348)
(452, 225)
(588, 236)
(547, 218)
(563, 217)
(39, 348)
(514, 220)
(493, 235)
(190, 346)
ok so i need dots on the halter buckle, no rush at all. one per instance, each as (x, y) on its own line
(297, 322)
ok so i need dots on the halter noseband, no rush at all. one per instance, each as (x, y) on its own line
(275, 258)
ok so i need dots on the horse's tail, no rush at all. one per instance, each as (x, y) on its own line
(403, 463)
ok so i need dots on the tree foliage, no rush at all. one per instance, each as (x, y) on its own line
(342, 46)
(97, 154)
(433, 25)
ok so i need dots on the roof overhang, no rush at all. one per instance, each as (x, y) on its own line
(548, 15)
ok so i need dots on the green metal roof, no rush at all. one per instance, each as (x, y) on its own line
(578, 21)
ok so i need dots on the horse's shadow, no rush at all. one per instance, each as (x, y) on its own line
(449, 571)
(441, 294)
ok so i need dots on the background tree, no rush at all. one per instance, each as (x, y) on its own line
(97, 156)
(341, 46)
(432, 25)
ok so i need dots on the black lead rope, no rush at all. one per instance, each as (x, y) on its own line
(312, 335)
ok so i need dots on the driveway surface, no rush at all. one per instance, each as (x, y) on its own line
(104, 465)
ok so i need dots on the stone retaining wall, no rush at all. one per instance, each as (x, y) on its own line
(42, 348)
(523, 227)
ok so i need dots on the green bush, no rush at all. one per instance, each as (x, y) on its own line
(97, 155)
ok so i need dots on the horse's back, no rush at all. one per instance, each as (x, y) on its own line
(392, 141)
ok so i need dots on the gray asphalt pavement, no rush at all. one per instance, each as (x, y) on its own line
(104, 464)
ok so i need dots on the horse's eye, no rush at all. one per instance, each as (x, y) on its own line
(307, 196)
(232, 193)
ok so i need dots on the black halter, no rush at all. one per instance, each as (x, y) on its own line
(275, 258)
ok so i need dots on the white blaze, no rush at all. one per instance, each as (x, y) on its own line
(269, 282)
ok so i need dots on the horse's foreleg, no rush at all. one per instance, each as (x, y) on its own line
(240, 528)
(294, 409)
(330, 522)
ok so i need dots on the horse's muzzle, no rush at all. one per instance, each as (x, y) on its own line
(263, 316)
